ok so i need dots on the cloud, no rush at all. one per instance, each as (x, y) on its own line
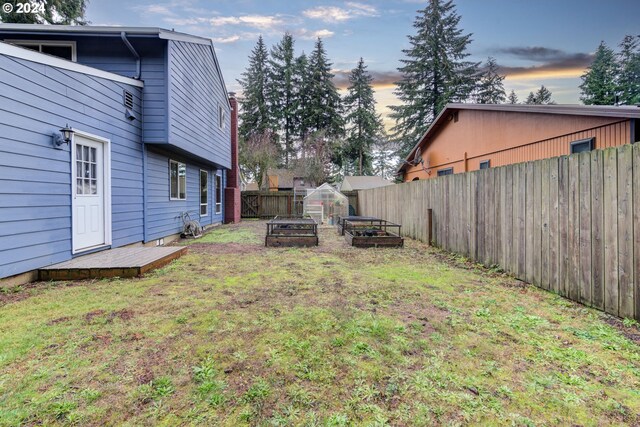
(551, 63)
(230, 39)
(332, 14)
(307, 34)
(261, 22)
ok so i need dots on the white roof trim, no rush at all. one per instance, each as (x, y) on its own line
(53, 61)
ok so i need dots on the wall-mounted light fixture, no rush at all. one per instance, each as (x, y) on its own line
(64, 137)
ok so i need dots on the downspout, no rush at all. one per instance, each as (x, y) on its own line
(125, 40)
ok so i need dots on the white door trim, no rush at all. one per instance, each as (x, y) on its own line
(106, 171)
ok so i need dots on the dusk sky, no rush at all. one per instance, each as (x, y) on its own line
(537, 42)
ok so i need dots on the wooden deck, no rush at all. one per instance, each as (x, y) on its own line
(119, 262)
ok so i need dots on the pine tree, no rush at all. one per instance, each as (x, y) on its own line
(281, 93)
(629, 70)
(59, 12)
(541, 97)
(255, 117)
(364, 125)
(323, 110)
(302, 83)
(513, 98)
(599, 83)
(434, 71)
(490, 88)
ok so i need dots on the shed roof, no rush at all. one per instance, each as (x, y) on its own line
(621, 111)
(360, 182)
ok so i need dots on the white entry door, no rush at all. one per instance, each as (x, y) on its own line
(89, 194)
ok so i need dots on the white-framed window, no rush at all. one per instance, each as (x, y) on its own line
(60, 48)
(177, 180)
(221, 116)
(218, 193)
(204, 193)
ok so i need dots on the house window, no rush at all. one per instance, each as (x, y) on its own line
(204, 193)
(177, 180)
(221, 117)
(448, 171)
(485, 164)
(582, 145)
(61, 49)
(218, 193)
(416, 179)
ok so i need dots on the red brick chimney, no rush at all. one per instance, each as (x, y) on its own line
(232, 190)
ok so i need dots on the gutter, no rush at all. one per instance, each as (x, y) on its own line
(125, 40)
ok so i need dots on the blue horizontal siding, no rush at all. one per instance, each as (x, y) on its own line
(163, 215)
(35, 178)
(196, 91)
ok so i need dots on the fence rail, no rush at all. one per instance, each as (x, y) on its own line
(268, 204)
(569, 224)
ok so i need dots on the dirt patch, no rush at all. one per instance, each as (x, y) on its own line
(58, 320)
(123, 314)
(225, 248)
(632, 333)
(93, 314)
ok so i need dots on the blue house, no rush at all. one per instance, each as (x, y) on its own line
(107, 135)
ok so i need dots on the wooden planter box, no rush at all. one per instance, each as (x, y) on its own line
(291, 232)
(372, 233)
(354, 220)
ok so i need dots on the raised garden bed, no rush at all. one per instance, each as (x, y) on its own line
(372, 233)
(354, 220)
(291, 232)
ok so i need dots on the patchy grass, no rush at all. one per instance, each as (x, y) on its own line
(236, 334)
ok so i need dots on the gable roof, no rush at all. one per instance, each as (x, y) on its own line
(359, 182)
(622, 111)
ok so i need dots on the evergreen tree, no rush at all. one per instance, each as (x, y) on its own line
(434, 71)
(363, 122)
(599, 82)
(513, 98)
(541, 97)
(323, 110)
(281, 93)
(629, 71)
(59, 12)
(490, 89)
(302, 83)
(254, 115)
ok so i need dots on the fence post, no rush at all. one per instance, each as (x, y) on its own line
(429, 226)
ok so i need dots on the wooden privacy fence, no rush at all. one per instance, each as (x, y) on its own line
(268, 204)
(569, 224)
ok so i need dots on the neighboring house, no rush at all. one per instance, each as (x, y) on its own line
(355, 183)
(467, 137)
(153, 136)
(286, 180)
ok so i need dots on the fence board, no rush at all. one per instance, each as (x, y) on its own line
(584, 254)
(611, 231)
(597, 228)
(554, 209)
(563, 224)
(530, 207)
(625, 231)
(260, 204)
(573, 230)
(537, 224)
(546, 208)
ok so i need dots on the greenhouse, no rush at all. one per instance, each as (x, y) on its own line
(325, 204)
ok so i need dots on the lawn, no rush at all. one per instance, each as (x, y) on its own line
(236, 334)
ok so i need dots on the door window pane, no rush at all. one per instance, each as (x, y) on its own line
(204, 192)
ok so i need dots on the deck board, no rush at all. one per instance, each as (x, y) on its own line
(119, 262)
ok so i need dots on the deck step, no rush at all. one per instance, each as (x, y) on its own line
(119, 262)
